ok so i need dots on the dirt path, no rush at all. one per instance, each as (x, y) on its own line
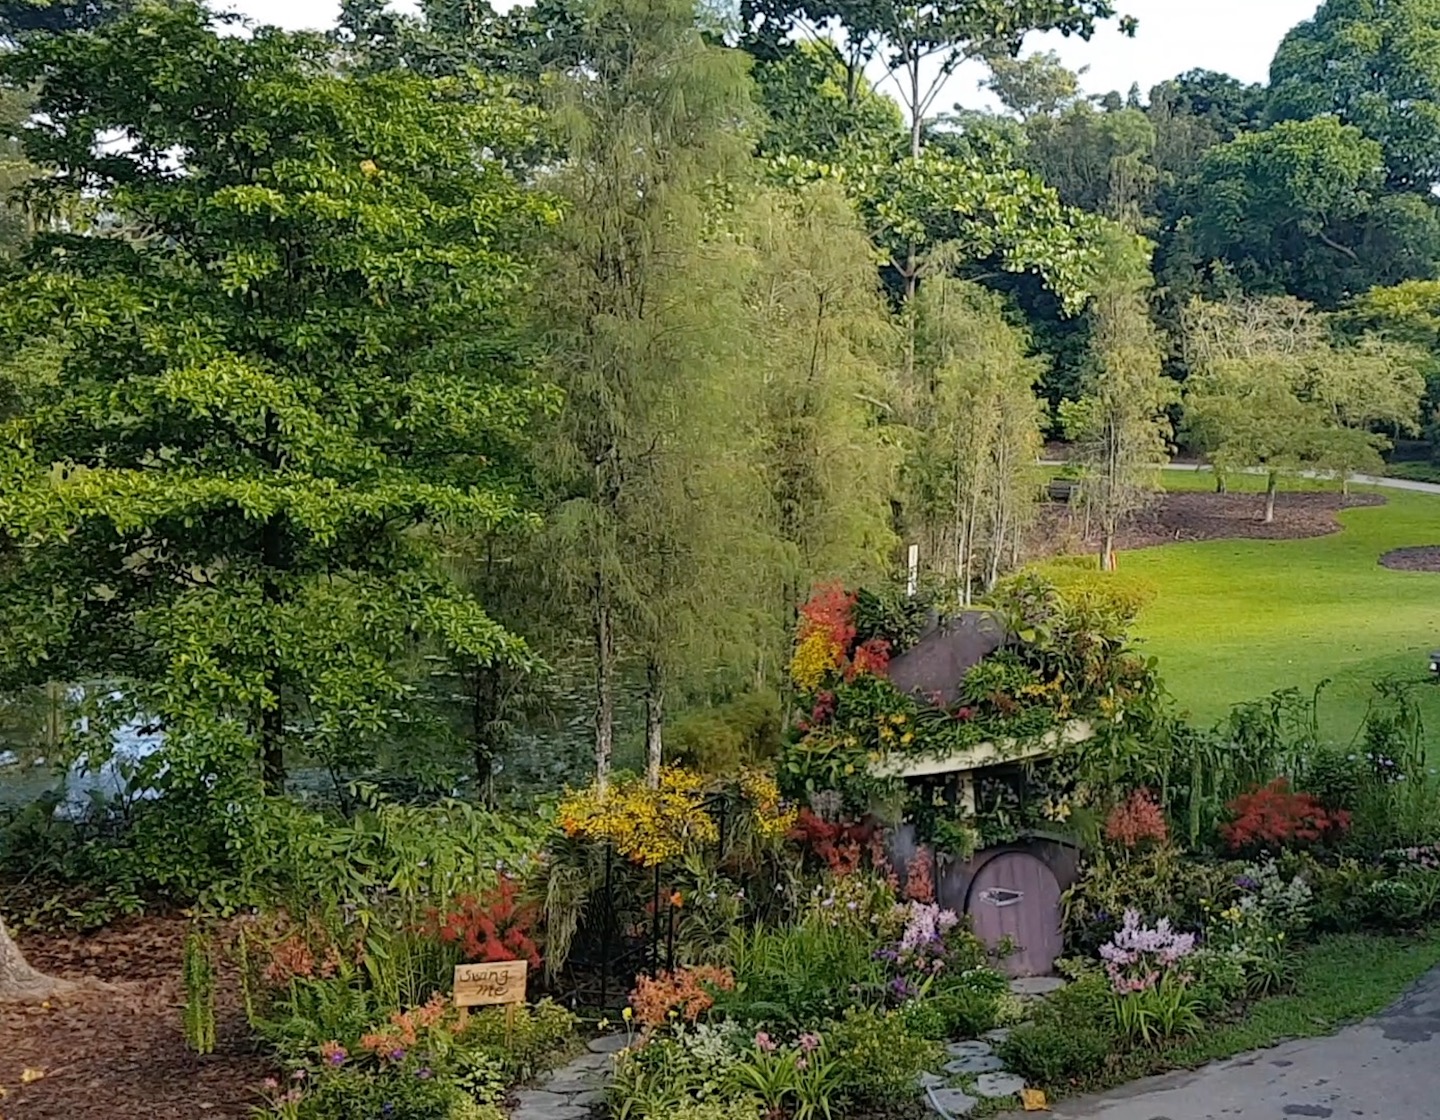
(120, 1054)
(1385, 1068)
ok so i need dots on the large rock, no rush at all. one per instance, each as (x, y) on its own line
(608, 1043)
(976, 1063)
(950, 1102)
(998, 1085)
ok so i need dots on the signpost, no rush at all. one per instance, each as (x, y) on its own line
(492, 984)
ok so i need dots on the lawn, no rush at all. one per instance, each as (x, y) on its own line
(1234, 620)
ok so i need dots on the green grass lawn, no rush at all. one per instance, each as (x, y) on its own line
(1235, 620)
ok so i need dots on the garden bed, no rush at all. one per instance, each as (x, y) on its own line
(1192, 516)
(1423, 558)
(121, 1053)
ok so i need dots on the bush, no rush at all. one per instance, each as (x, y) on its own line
(524, 1041)
(1056, 1055)
(952, 1013)
(800, 975)
(722, 739)
(1273, 817)
(880, 1058)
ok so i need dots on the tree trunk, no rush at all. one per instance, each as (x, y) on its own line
(654, 723)
(1220, 487)
(1272, 484)
(18, 981)
(1107, 548)
(604, 688)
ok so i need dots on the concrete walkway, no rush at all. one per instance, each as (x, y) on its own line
(1385, 1068)
(1355, 480)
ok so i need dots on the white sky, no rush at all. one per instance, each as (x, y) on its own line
(1237, 37)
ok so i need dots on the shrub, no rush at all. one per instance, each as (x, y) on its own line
(1056, 1055)
(1137, 821)
(800, 974)
(495, 927)
(954, 1013)
(523, 1040)
(686, 992)
(880, 1057)
(404, 1090)
(1274, 817)
(722, 739)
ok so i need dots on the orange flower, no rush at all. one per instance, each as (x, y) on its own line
(677, 900)
(689, 991)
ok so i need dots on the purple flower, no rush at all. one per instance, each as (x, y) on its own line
(423, 1074)
(398, 1054)
(764, 1042)
(1245, 883)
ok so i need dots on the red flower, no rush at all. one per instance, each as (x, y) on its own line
(1274, 816)
(830, 611)
(495, 928)
(872, 656)
(1140, 818)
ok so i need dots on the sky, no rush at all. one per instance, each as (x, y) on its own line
(1236, 37)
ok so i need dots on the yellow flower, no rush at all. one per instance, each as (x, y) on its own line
(628, 1014)
(815, 655)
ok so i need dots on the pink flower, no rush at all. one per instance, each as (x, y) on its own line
(764, 1042)
(270, 1083)
(809, 1042)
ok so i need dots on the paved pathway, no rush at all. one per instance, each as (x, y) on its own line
(1385, 1068)
(1355, 479)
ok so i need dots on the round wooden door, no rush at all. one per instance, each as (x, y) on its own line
(1015, 896)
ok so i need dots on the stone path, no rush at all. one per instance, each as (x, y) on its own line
(973, 1071)
(570, 1092)
(1385, 1068)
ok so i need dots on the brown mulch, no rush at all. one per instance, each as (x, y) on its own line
(1191, 516)
(1422, 558)
(120, 1053)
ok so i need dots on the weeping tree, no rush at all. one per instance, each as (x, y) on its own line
(641, 299)
(821, 343)
(1121, 422)
(977, 431)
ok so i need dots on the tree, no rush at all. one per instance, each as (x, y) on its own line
(977, 431)
(822, 340)
(1300, 208)
(22, 19)
(642, 293)
(921, 44)
(1100, 162)
(18, 981)
(1121, 422)
(1374, 65)
(289, 364)
(1407, 313)
(1268, 389)
(1038, 85)
(817, 109)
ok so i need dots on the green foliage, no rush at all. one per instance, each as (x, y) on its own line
(723, 738)
(285, 362)
(879, 1055)
(1374, 67)
(800, 974)
(521, 1042)
(1055, 1054)
(1300, 208)
(1163, 1011)
(198, 980)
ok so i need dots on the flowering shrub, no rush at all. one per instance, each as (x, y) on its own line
(920, 876)
(687, 992)
(871, 656)
(1138, 958)
(1274, 816)
(493, 928)
(1424, 857)
(404, 1031)
(921, 952)
(772, 816)
(840, 845)
(649, 826)
(1138, 820)
(825, 647)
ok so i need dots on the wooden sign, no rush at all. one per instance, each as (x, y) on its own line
(487, 985)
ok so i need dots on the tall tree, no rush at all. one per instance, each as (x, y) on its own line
(1375, 65)
(977, 432)
(1121, 422)
(19, 982)
(823, 342)
(293, 351)
(642, 295)
(1037, 85)
(1301, 209)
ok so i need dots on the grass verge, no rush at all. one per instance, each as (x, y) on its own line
(1342, 978)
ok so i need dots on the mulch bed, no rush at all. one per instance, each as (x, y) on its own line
(1192, 516)
(118, 1054)
(1423, 558)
